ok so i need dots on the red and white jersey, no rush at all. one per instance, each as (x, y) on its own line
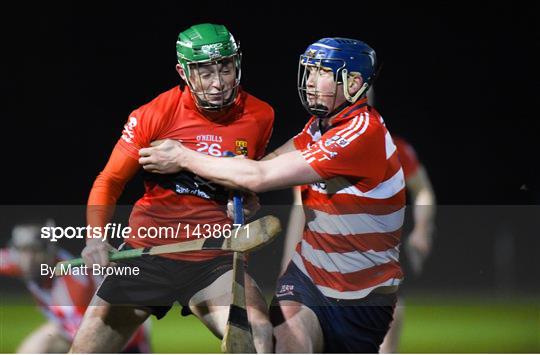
(354, 217)
(407, 156)
(63, 300)
(245, 128)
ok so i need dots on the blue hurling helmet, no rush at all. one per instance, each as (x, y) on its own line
(344, 56)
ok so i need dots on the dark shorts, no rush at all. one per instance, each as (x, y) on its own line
(348, 326)
(161, 282)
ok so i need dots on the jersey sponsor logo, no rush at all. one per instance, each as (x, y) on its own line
(187, 183)
(182, 190)
(241, 146)
(200, 188)
(128, 133)
(285, 290)
(209, 138)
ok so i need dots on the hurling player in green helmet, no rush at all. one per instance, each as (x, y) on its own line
(209, 63)
(210, 114)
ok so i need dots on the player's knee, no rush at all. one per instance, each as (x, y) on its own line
(213, 317)
(258, 315)
(296, 328)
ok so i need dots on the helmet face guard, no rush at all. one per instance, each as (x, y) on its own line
(309, 75)
(214, 71)
(210, 49)
(344, 58)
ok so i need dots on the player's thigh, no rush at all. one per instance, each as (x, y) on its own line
(48, 338)
(211, 304)
(299, 329)
(107, 327)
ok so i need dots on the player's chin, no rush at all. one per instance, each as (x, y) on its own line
(218, 99)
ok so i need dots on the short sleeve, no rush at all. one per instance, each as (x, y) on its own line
(302, 139)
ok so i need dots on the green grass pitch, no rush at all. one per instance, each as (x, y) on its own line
(431, 326)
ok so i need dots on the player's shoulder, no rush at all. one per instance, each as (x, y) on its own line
(258, 107)
(158, 113)
(367, 124)
(165, 101)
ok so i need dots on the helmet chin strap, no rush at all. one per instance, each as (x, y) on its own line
(365, 87)
(359, 93)
(349, 99)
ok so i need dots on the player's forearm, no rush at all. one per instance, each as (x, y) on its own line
(424, 211)
(289, 169)
(102, 201)
(270, 155)
(285, 148)
(229, 172)
(295, 228)
(423, 201)
(105, 190)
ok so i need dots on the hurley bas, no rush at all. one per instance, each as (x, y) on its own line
(95, 270)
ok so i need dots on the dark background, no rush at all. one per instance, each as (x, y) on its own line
(457, 82)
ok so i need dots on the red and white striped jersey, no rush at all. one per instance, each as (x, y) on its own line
(350, 244)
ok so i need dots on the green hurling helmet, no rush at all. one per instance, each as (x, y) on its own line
(208, 44)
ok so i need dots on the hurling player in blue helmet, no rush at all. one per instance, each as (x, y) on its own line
(338, 291)
(351, 62)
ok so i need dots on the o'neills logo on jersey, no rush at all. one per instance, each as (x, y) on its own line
(209, 138)
(127, 133)
(241, 147)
